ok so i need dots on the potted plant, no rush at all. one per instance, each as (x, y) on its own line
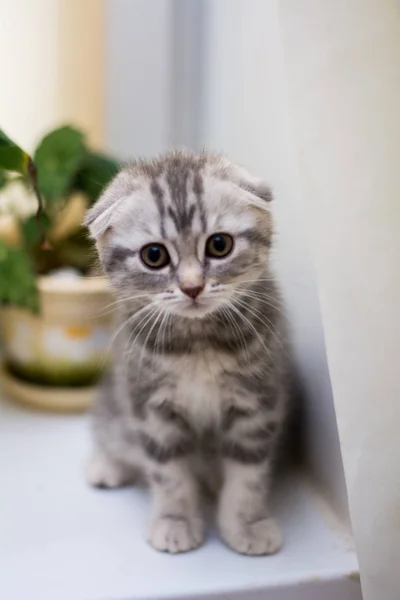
(54, 321)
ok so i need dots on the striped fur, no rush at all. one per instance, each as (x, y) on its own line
(198, 387)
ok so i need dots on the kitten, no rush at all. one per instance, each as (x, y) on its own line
(198, 392)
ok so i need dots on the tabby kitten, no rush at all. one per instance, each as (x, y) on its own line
(197, 396)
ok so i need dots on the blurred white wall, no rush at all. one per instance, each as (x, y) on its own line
(154, 74)
(51, 65)
(139, 76)
(246, 115)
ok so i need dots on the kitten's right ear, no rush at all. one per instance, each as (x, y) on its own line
(98, 218)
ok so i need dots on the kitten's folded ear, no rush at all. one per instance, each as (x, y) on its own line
(98, 217)
(255, 186)
(258, 188)
(259, 192)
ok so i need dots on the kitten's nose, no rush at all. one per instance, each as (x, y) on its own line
(190, 277)
(192, 291)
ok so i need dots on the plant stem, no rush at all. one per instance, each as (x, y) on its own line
(33, 177)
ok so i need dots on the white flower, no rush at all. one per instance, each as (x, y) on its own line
(17, 199)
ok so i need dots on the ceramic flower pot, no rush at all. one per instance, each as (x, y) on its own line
(61, 352)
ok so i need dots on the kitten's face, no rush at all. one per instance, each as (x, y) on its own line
(181, 235)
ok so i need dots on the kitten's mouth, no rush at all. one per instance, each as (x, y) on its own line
(195, 309)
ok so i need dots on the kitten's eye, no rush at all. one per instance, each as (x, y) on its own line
(219, 245)
(155, 256)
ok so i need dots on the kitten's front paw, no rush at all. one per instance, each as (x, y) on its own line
(102, 472)
(176, 534)
(255, 539)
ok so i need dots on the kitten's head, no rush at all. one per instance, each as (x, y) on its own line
(183, 232)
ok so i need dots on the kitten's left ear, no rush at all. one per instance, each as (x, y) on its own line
(258, 191)
(255, 186)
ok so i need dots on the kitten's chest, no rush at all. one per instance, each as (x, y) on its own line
(199, 389)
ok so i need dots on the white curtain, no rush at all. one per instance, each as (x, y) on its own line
(343, 77)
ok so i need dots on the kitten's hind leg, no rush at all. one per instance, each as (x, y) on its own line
(103, 471)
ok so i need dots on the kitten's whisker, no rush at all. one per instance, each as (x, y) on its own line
(169, 330)
(260, 298)
(232, 320)
(114, 305)
(142, 324)
(275, 279)
(254, 309)
(124, 324)
(262, 293)
(164, 330)
(261, 279)
(237, 326)
(160, 328)
(250, 324)
(265, 321)
(144, 345)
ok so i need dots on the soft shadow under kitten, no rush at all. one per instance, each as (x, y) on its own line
(198, 393)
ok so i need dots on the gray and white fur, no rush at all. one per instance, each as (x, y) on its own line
(198, 392)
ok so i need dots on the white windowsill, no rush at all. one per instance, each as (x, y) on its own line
(61, 540)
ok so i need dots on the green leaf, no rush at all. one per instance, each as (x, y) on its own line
(58, 159)
(95, 174)
(12, 157)
(17, 278)
(33, 228)
(3, 179)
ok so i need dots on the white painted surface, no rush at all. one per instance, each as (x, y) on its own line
(245, 115)
(343, 63)
(61, 540)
